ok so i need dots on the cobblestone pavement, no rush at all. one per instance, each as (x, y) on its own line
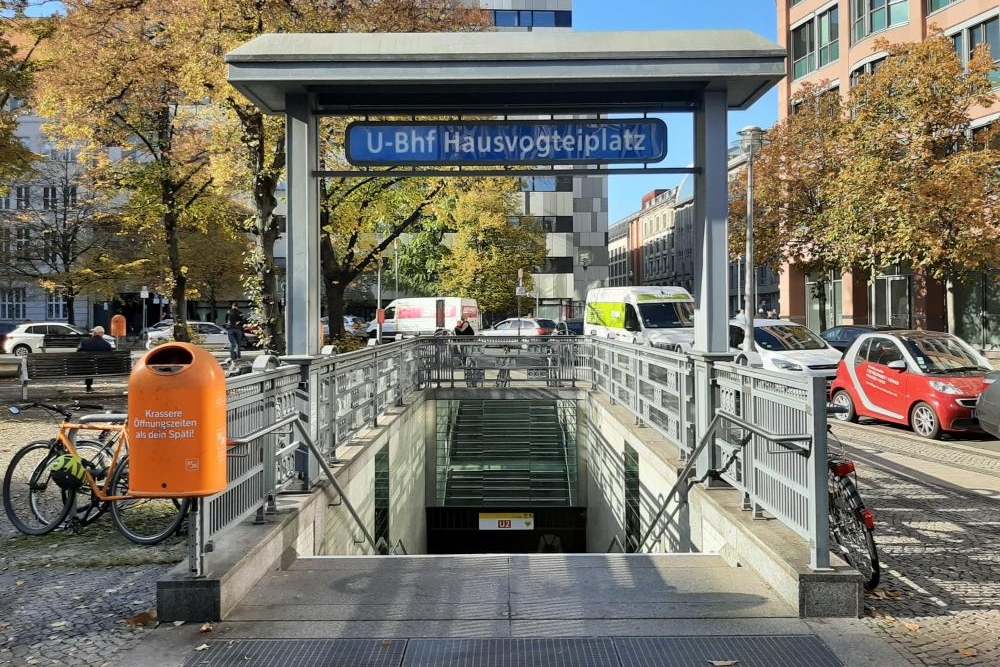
(84, 599)
(65, 598)
(938, 602)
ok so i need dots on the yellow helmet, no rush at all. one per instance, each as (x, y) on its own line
(68, 471)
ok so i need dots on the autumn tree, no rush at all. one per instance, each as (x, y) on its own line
(251, 150)
(802, 155)
(488, 250)
(67, 235)
(20, 38)
(913, 189)
(114, 85)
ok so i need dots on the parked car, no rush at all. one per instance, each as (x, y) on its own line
(5, 328)
(34, 337)
(785, 347)
(842, 336)
(162, 324)
(210, 335)
(521, 326)
(570, 327)
(930, 381)
(353, 326)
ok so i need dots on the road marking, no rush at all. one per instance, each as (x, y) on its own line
(906, 580)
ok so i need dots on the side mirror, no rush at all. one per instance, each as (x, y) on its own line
(14, 410)
(898, 365)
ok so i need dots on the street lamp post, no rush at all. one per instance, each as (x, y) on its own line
(751, 141)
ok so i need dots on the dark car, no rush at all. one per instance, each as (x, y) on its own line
(5, 328)
(841, 337)
(571, 327)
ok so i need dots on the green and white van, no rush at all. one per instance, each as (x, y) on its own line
(656, 316)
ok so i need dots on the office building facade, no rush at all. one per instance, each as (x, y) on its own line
(833, 41)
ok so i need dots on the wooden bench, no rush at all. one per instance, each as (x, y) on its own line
(70, 365)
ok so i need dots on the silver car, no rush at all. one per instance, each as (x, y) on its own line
(210, 335)
(521, 326)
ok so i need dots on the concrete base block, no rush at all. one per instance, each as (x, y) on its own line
(833, 595)
(184, 599)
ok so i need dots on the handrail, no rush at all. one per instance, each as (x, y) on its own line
(391, 550)
(198, 550)
(713, 425)
(615, 540)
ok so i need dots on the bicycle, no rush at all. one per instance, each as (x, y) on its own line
(37, 501)
(851, 523)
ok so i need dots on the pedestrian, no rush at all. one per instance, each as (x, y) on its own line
(94, 343)
(234, 329)
(463, 328)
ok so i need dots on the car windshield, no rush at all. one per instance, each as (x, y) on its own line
(667, 314)
(787, 337)
(944, 354)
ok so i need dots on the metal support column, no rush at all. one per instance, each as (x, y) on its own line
(303, 274)
(711, 201)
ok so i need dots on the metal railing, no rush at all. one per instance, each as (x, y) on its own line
(338, 396)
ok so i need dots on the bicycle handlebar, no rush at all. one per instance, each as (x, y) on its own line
(65, 410)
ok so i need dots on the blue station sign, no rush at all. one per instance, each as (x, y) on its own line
(470, 143)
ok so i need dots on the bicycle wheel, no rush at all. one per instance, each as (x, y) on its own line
(144, 520)
(96, 457)
(852, 534)
(32, 501)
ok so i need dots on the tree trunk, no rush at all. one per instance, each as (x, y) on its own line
(178, 291)
(70, 298)
(336, 285)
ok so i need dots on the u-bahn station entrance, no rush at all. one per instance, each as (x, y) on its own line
(570, 500)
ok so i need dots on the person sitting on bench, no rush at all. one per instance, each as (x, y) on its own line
(95, 343)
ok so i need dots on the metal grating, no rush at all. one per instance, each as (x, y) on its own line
(300, 653)
(515, 652)
(741, 651)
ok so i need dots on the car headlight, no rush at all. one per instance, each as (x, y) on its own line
(785, 364)
(945, 388)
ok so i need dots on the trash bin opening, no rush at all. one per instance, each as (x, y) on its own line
(169, 359)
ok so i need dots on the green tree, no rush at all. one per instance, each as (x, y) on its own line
(114, 85)
(914, 190)
(488, 250)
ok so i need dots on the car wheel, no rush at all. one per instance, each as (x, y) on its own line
(924, 421)
(21, 351)
(843, 400)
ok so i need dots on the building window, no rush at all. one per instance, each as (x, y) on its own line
(55, 306)
(69, 196)
(507, 18)
(22, 197)
(13, 303)
(864, 70)
(557, 265)
(987, 136)
(5, 203)
(14, 244)
(935, 5)
(815, 43)
(50, 199)
(871, 16)
(986, 33)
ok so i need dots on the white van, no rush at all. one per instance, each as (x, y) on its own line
(425, 316)
(657, 316)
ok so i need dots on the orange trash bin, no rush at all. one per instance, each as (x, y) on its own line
(118, 326)
(177, 423)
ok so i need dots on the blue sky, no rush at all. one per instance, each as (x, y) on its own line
(759, 16)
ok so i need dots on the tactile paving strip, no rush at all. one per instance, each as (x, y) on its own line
(694, 651)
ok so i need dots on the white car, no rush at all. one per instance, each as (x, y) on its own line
(34, 337)
(210, 335)
(784, 346)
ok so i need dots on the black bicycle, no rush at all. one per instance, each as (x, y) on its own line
(851, 524)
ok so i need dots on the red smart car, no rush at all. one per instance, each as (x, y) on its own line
(927, 380)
